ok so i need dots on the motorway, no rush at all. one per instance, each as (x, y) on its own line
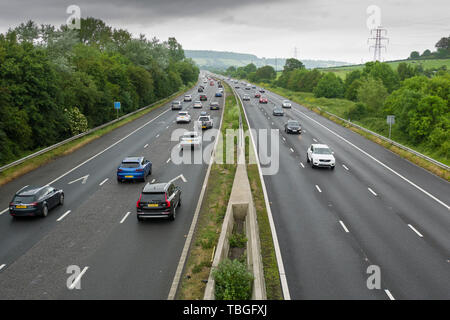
(96, 229)
(375, 208)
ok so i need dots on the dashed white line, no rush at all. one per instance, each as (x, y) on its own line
(302, 165)
(74, 283)
(168, 160)
(126, 216)
(283, 138)
(4, 211)
(391, 297)
(343, 226)
(345, 167)
(101, 183)
(146, 146)
(315, 140)
(373, 192)
(415, 230)
(292, 150)
(64, 215)
(318, 189)
(153, 180)
(157, 135)
(2, 266)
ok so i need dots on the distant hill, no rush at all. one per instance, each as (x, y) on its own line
(207, 59)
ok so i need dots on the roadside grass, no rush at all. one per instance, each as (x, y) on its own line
(339, 107)
(38, 161)
(212, 213)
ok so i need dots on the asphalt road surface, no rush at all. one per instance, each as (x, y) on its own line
(374, 209)
(116, 256)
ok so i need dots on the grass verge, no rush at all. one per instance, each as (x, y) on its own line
(212, 213)
(38, 161)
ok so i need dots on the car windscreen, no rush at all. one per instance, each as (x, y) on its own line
(24, 199)
(203, 119)
(150, 197)
(322, 151)
(130, 164)
(294, 123)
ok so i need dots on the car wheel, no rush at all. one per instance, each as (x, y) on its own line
(61, 199)
(307, 159)
(140, 218)
(173, 215)
(332, 168)
(179, 202)
(44, 210)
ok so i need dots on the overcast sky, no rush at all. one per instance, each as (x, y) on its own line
(319, 29)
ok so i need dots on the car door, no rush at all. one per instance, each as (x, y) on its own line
(170, 194)
(310, 151)
(48, 197)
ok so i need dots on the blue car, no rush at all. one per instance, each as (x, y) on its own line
(218, 94)
(134, 168)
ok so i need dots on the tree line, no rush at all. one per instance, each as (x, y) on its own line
(58, 82)
(442, 51)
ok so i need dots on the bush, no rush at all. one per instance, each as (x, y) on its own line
(329, 86)
(237, 240)
(357, 112)
(233, 281)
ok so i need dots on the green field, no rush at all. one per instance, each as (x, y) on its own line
(426, 64)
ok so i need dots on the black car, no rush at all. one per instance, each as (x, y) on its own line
(200, 89)
(262, 90)
(35, 201)
(292, 126)
(203, 97)
(277, 111)
(158, 200)
(214, 105)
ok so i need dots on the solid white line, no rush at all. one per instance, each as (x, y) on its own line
(2, 266)
(292, 150)
(345, 167)
(4, 211)
(74, 283)
(302, 165)
(318, 189)
(146, 146)
(415, 230)
(101, 183)
(62, 217)
(126, 216)
(343, 226)
(391, 297)
(378, 161)
(373, 192)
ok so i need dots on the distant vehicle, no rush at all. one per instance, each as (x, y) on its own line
(219, 94)
(237, 86)
(197, 104)
(203, 97)
(183, 117)
(277, 111)
(191, 140)
(248, 87)
(220, 85)
(35, 201)
(187, 98)
(320, 155)
(158, 200)
(262, 90)
(253, 87)
(203, 113)
(263, 100)
(134, 168)
(214, 105)
(206, 121)
(211, 83)
(176, 105)
(200, 89)
(246, 97)
(257, 95)
(292, 126)
(286, 104)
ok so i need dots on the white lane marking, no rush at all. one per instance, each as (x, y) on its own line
(379, 162)
(373, 192)
(157, 135)
(84, 179)
(318, 189)
(302, 165)
(272, 123)
(101, 183)
(391, 297)
(168, 160)
(153, 180)
(74, 283)
(146, 146)
(304, 130)
(283, 138)
(126, 216)
(292, 150)
(315, 140)
(4, 211)
(415, 230)
(345, 167)
(2, 266)
(64, 215)
(343, 226)
(167, 127)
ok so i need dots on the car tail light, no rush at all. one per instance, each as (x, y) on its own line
(139, 170)
(167, 202)
(119, 170)
(34, 204)
(138, 203)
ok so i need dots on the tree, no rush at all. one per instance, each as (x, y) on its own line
(443, 43)
(264, 74)
(405, 71)
(426, 53)
(372, 93)
(329, 86)
(292, 64)
(176, 51)
(382, 71)
(414, 55)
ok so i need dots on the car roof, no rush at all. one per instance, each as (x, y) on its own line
(191, 133)
(132, 159)
(29, 191)
(155, 187)
(318, 145)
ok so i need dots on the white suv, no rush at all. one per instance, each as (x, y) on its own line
(187, 97)
(286, 104)
(320, 155)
